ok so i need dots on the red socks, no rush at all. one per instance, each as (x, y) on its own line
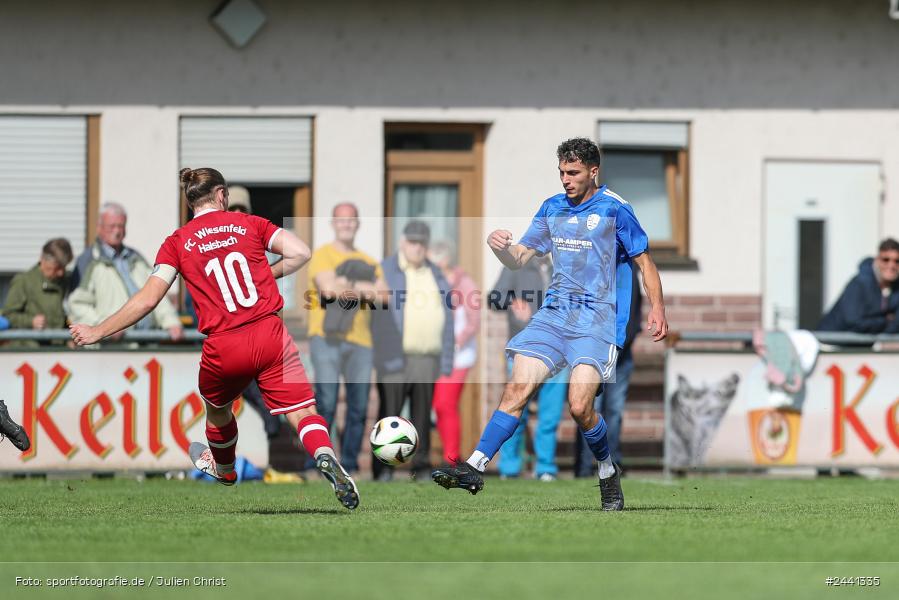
(313, 432)
(223, 444)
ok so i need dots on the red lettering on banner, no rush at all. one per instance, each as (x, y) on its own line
(846, 413)
(155, 369)
(176, 420)
(892, 423)
(35, 415)
(89, 427)
(183, 416)
(129, 426)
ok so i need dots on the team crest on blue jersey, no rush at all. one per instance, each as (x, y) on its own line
(592, 221)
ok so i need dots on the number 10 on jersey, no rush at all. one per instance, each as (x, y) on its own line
(228, 280)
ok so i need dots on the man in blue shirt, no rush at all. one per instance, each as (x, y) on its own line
(593, 236)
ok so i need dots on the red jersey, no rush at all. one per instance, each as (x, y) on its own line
(221, 256)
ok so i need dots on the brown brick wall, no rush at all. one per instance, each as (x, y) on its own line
(704, 313)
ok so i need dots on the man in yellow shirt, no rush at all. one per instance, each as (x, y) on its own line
(344, 283)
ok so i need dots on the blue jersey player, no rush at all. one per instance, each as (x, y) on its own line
(594, 237)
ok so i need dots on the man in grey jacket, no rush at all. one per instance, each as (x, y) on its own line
(108, 273)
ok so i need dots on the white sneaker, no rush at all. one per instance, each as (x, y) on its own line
(202, 458)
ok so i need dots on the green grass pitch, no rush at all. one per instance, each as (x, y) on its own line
(734, 537)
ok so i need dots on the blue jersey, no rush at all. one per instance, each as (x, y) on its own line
(592, 244)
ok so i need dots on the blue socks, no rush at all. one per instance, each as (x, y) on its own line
(502, 426)
(498, 430)
(596, 439)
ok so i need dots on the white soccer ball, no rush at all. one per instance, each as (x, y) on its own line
(394, 440)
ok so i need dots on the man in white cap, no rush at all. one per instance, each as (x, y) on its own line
(239, 199)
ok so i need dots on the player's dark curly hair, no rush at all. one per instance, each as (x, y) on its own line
(579, 149)
(199, 184)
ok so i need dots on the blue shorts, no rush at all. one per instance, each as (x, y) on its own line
(557, 348)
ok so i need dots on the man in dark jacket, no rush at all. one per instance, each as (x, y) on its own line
(413, 338)
(870, 302)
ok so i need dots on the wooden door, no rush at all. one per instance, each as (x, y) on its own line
(450, 173)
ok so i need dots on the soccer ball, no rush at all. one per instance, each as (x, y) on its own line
(394, 440)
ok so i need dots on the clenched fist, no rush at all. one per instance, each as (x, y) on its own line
(84, 335)
(499, 240)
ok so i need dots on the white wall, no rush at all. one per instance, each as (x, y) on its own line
(349, 167)
(800, 80)
(728, 149)
(138, 169)
(139, 163)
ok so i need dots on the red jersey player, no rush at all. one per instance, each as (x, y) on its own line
(221, 256)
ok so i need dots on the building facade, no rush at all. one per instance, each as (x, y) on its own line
(757, 142)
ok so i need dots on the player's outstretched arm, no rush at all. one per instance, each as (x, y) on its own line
(294, 251)
(657, 322)
(138, 306)
(513, 256)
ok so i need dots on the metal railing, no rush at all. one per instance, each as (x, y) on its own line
(53, 335)
(833, 338)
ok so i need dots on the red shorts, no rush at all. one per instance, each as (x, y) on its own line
(262, 350)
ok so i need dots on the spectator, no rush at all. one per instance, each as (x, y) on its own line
(340, 327)
(239, 201)
(610, 400)
(466, 305)
(35, 298)
(108, 273)
(413, 339)
(870, 302)
(520, 294)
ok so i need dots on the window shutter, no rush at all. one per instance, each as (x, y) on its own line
(252, 150)
(43, 185)
(643, 134)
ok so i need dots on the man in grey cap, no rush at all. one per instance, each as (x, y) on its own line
(413, 338)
